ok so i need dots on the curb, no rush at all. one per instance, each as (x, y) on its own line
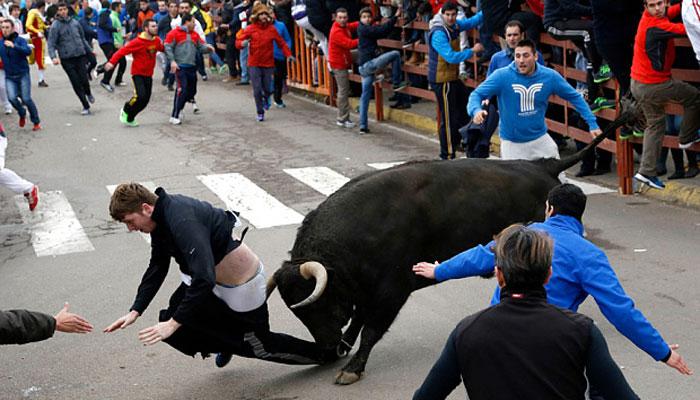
(676, 193)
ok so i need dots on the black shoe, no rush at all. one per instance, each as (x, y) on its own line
(679, 174)
(242, 83)
(692, 172)
(364, 130)
(164, 81)
(100, 69)
(170, 87)
(394, 97)
(43, 84)
(400, 106)
(222, 359)
(584, 172)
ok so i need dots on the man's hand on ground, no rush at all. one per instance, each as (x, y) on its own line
(158, 332)
(425, 269)
(71, 323)
(122, 322)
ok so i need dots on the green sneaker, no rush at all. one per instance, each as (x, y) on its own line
(123, 118)
(601, 103)
(625, 133)
(604, 74)
(638, 132)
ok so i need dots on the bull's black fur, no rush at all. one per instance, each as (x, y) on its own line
(370, 233)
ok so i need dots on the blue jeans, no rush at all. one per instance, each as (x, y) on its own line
(20, 87)
(211, 39)
(367, 71)
(243, 58)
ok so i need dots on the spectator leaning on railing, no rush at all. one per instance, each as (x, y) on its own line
(444, 56)
(653, 87)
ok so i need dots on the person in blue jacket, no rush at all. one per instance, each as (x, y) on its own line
(14, 52)
(579, 269)
(444, 57)
(280, 75)
(523, 89)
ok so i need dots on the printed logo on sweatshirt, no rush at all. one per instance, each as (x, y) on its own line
(527, 96)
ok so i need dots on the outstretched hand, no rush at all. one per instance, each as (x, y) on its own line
(426, 269)
(158, 332)
(122, 322)
(676, 361)
(71, 323)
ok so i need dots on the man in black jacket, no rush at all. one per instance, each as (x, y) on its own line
(22, 326)
(221, 305)
(524, 347)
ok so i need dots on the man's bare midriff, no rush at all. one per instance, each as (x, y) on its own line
(237, 267)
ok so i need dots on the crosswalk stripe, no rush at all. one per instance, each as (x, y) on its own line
(257, 206)
(322, 179)
(150, 186)
(385, 165)
(54, 226)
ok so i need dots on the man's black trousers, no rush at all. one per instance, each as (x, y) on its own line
(109, 50)
(280, 78)
(186, 78)
(76, 68)
(452, 103)
(216, 328)
(141, 97)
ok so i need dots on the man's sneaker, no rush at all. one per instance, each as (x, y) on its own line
(260, 117)
(205, 77)
(36, 127)
(107, 87)
(604, 74)
(242, 83)
(348, 124)
(601, 103)
(280, 104)
(463, 75)
(124, 119)
(90, 98)
(122, 116)
(223, 69)
(164, 81)
(120, 84)
(86, 111)
(22, 121)
(626, 133)
(43, 84)
(401, 86)
(400, 106)
(175, 121)
(379, 78)
(408, 43)
(170, 87)
(195, 108)
(8, 110)
(222, 359)
(32, 197)
(652, 181)
(266, 103)
(364, 130)
(689, 144)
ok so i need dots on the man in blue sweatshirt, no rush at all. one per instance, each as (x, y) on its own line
(523, 89)
(444, 57)
(579, 269)
(280, 62)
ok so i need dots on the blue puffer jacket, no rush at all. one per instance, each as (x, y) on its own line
(579, 269)
(15, 59)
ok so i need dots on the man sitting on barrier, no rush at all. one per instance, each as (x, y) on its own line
(370, 61)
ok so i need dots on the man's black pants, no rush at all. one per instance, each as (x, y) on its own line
(280, 78)
(581, 33)
(452, 102)
(76, 68)
(141, 97)
(216, 328)
(186, 78)
(232, 55)
(109, 50)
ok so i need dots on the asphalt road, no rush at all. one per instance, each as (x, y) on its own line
(653, 247)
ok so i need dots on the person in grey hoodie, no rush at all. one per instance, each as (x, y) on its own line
(67, 37)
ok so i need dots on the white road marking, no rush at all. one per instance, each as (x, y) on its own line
(385, 165)
(257, 206)
(150, 186)
(54, 226)
(322, 179)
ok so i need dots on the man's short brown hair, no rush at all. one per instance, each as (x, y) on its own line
(128, 198)
(524, 255)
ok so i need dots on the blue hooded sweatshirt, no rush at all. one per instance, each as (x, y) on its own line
(579, 269)
(523, 100)
(284, 34)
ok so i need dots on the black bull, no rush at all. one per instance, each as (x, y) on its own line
(360, 244)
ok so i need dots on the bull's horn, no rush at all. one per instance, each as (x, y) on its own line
(316, 270)
(271, 285)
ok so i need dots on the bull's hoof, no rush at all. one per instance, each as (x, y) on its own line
(347, 378)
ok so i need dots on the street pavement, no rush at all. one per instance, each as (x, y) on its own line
(70, 250)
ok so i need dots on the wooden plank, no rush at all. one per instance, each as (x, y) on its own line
(578, 134)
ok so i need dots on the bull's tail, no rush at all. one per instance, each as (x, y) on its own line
(555, 167)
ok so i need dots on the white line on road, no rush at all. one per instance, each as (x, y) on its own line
(150, 186)
(54, 226)
(385, 165)
(255, 205)
(322, 179)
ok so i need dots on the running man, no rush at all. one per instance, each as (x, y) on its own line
(221, 304)
(143, 49)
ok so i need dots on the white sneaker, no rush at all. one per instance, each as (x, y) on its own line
(175, 121)
(8, 110)
(195, 108)
(348, 124)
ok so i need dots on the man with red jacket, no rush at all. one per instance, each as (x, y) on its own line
(259, 37)
(143, 49)
(340, 59)
(653, 87)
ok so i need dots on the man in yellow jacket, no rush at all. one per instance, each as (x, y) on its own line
(36, 28)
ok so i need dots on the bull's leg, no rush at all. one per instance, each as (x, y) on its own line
(377, 322)
(351, 334)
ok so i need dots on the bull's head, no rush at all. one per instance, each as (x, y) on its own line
(308, 291)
